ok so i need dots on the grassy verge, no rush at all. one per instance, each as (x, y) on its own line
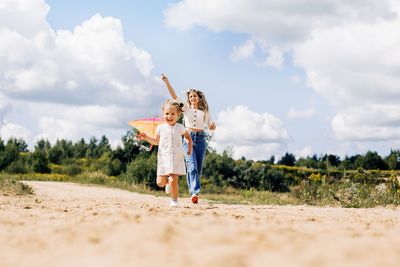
(9, 185)
(317, 192)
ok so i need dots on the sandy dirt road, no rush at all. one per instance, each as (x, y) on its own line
(65, 224)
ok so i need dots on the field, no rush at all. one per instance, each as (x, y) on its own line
(64, 224)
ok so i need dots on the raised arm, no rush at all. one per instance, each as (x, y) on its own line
(170, 89)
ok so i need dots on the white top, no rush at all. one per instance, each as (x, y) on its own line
(170, 157)
(195, 118)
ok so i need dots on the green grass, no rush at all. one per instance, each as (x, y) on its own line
(10, 185)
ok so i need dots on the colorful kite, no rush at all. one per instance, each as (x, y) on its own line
(147, 126)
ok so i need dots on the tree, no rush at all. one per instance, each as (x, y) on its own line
(103, 146)
(351, 163)
(19, 143)
(43, 145)
(91, 150)
(288, 159)
(130, 148)
(308, 162)
(2, 146)
(393, 160)
(333, 160)
(40, 161)
(372, 161)
(61, 150)
(80, 148)
(9, 154)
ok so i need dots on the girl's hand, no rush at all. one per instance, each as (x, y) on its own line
(141, 136)
(164, 78)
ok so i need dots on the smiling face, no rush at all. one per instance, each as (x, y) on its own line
(193, 98)
(170, 114)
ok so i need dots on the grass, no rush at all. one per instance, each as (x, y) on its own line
(9, 185)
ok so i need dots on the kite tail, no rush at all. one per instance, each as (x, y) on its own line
(146, 148)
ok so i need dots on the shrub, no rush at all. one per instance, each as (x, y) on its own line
(143, 170)
(40, 162)
(17, 167)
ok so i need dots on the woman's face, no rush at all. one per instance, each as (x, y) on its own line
(193, 98)
(170, 115)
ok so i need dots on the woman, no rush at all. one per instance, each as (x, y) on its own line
(196, 115)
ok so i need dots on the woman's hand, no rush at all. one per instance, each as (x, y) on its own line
(190, 150)
(212, 126)
(164, 78)
(141, 136)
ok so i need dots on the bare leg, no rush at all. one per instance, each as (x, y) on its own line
(173, 182)
(162, 180)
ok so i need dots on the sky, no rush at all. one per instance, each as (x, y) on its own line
(305, 77)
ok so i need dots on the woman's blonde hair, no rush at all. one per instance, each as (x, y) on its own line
(203, 105)
(177, 105)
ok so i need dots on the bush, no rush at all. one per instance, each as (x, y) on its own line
(143, 170)
(40, 162)
(275, 181)
(72, 169)
(17, 167)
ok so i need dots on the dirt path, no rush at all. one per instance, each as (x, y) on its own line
(72, 225)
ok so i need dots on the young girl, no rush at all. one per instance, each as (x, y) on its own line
(196, 114)
(170, 156)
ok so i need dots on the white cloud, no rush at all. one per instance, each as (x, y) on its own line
(251, 134)
(370, 122)
(348, 50)
(74, 82)
(244, 51)
(9, 130)
(275, 58)
(303, 153)
(91, 64)
(360, 79)
(33, 14)
(54, 129)
(56, 121)
(294, 114)
(5, 107)
(275, 24)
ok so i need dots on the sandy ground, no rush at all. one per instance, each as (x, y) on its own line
(71, 225)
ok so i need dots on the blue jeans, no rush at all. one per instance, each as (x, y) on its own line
(194, 162)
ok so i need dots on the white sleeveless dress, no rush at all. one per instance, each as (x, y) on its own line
(170, 158)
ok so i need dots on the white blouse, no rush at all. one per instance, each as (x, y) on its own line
(195, 118)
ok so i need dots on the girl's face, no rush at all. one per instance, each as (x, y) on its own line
(170, 115)
(193, 98)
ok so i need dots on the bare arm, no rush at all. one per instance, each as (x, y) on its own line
(145, 137)
(170, 89)
(189, 142)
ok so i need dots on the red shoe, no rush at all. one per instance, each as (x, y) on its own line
(195, 199)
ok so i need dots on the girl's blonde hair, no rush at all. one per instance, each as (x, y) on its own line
(177, 105)
(203, 105)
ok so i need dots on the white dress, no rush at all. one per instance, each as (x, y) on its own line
(170, 158)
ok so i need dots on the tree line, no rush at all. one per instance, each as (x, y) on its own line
(128, 163)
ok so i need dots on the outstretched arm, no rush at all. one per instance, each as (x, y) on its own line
(170, 89)
(145, 137)
(189, 142)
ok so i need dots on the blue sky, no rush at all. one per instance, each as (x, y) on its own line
(307, 77)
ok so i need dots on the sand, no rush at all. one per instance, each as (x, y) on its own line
(66, 224)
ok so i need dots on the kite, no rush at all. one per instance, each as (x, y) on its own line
(147, 126)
